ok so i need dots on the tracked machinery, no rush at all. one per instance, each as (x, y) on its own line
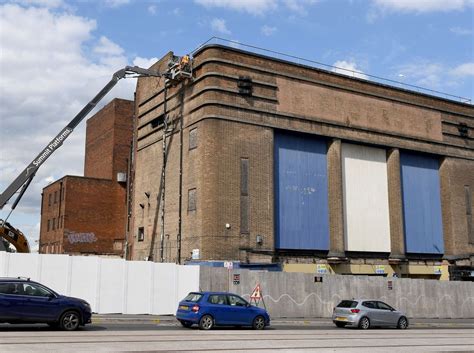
(179, 68)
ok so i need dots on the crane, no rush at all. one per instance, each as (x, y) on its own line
(179, 68)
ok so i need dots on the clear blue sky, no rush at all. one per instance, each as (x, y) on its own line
(56, 54)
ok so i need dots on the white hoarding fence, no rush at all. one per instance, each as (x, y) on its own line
(109, 285)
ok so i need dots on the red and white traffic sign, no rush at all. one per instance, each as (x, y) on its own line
(257, 293)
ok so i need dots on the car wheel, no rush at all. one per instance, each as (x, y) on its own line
(258, 323)
(186, 324)
(206, 322)
(364, 323)
(340, 324)
(69, 321)
(402, 323)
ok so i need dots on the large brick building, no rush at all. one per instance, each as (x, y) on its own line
(284, 163)
(88, 215)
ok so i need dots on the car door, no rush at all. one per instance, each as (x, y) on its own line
(372, 312)
(40, 305)
(11, 302)
(388, 314)
(241, 312)
(218, 308)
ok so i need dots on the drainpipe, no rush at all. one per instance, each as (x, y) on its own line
(163, 175)
(180, 196)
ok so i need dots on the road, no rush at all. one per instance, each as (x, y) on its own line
(157, 335)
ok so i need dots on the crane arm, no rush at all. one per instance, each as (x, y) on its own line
(23, 180)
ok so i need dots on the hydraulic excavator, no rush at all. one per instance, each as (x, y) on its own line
(178, 68)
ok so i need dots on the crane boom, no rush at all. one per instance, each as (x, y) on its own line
(23, 180)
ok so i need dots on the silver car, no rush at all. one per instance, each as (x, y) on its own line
(366, 313)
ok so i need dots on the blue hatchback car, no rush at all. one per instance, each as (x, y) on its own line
(24, 301)
(209, 309)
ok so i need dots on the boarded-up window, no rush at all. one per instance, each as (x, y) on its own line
(193, 139)
(470, 230)
(141, 234)
(244, 196)
(192, 202)
(365, 190)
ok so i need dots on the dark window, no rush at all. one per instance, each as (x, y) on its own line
(49, 225)
(370, 305)
(141, 234)
(10, 288)
(193, 297)
(157, 121)
(383, 306)
(219, 299)
(347, 304)
(244, 196)
(470, 227)
(237, 301)
(55, 197)
(192, 202)
(193, 143)
(35, 290)
(50, 199)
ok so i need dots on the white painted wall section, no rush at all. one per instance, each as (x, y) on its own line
(365, 187)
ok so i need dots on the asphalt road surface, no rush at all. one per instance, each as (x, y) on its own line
(283, 336)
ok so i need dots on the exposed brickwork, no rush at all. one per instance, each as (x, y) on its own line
(89, 214)
(231, 126)
(108, 140)
(92, 217)
(395, 203)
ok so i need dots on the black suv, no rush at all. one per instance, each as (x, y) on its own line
(24, 301)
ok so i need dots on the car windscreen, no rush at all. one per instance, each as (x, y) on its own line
(193, 297)
(347, 304)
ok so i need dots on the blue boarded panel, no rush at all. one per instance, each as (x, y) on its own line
(301, 193)
(421, 204)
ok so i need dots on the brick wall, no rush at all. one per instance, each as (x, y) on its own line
(231, 126)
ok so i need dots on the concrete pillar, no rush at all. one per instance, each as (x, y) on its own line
(395, 201)
(336, 206)
(445, 185)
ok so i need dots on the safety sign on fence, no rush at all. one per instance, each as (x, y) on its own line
(257, 296)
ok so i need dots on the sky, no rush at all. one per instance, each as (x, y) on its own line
(55, 55)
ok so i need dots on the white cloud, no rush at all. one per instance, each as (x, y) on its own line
(423, 5)
(422, 73)
(466, 69)
(46, 79)
(461, 31)
(254, 7)
(107, 47)
(152, 9)
(116, 3)
(299, 6)
(144, 62)
(218, 25)
(41, 3)
(348, 68)
(268, 30)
